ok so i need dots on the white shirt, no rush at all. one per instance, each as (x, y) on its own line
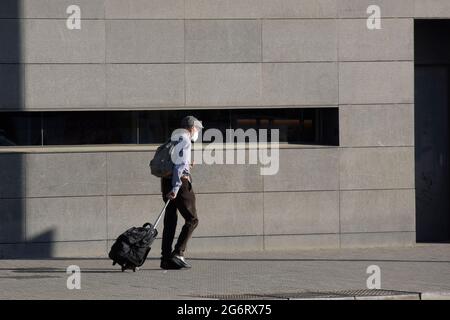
(181, 159)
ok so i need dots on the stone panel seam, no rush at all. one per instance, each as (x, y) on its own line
(206, 193)
(184, 51)
(222, 236)
(338, 21)
(263, 213)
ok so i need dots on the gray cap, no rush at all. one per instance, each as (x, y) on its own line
(191, 121)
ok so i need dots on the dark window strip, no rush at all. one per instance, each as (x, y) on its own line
(295, 125)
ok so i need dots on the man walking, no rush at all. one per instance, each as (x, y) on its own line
(178, 188)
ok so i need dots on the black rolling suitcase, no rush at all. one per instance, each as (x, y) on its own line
(132, 247)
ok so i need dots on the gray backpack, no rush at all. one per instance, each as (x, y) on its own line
(161, 165)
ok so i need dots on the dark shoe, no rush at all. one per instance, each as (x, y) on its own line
(167, 264)
(180, 261)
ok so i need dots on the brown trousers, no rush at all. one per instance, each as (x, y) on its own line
(185, 203)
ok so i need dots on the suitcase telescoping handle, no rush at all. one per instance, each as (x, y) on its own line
(161, 214)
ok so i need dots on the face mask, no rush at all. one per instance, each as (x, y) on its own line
(194, 136)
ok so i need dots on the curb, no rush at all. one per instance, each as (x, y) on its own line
(393, 297)
(435, 295)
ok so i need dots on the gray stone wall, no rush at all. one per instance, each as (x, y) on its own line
(162, 54)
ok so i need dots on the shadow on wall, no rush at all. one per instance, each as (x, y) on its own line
(13, 209)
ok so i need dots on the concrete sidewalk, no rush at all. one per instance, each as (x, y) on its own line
(422, 271)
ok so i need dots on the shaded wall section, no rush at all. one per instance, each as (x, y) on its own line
(14, 204)
(12, 215)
